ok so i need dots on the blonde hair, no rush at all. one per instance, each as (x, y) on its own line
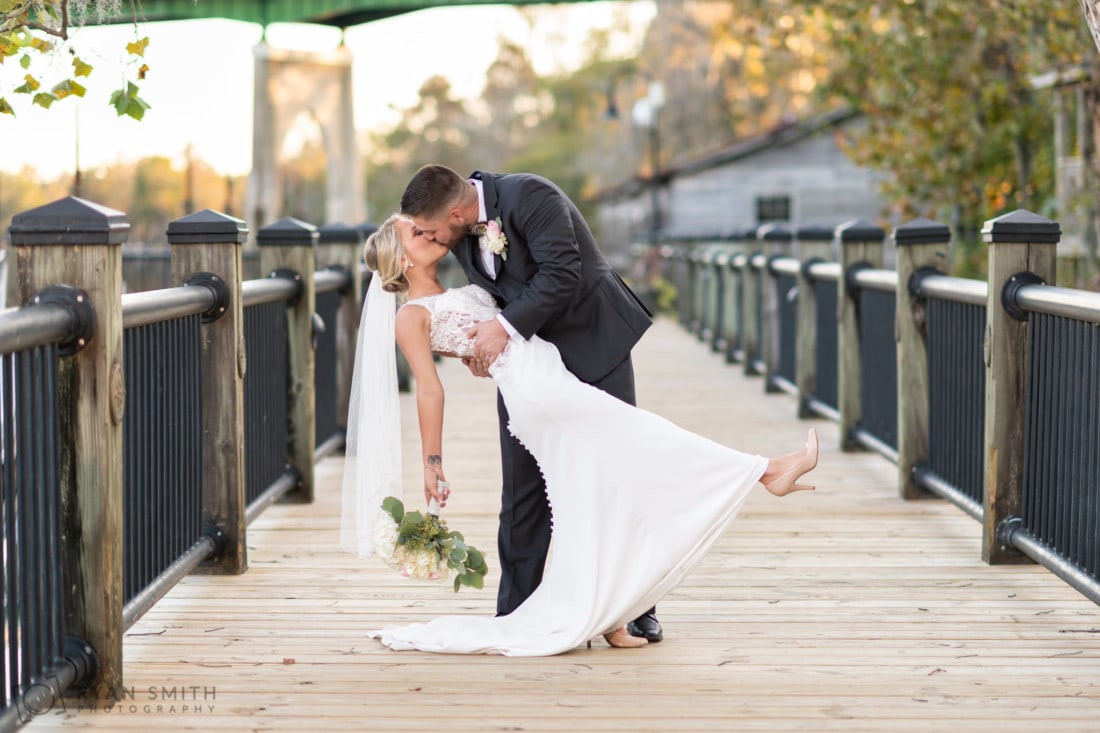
(384, 254)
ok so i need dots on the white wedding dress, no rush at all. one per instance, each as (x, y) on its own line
(636, 500)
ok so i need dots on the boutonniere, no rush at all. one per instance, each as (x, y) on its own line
(494, 240)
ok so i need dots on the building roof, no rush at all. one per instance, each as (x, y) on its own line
(783, 134)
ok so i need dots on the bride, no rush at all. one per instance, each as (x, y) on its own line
(636, 500)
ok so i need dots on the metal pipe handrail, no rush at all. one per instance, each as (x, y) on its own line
(202, 549)
(826, 271)
(267, 290)
(331, 279)
(786, 266)
(1034, 548)
(872, 279)
(1082, 305)
(156, 306)
(957, 289)
(32, 326)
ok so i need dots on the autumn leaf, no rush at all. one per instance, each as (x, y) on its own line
(5, 108)
(80, 68)
(30, 86)
(143, 71)
(44, 99)
(68, 87)
(137, 48)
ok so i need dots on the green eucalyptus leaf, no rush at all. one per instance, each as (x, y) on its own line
(394, 507)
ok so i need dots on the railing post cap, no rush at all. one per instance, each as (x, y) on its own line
(921, 231)
(340, 233)
(774, 231)
(207, 227)
(287, 232)
(69, 221)
(814, 233)
(1021, 226)
(859, 230)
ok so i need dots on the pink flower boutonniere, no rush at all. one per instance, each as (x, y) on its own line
(494, 238)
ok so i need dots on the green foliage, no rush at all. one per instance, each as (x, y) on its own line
(42, 28)
(945, 86)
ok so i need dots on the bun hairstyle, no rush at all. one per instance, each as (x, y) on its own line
(383, 254)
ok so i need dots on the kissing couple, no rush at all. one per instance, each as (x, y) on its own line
(632, 501)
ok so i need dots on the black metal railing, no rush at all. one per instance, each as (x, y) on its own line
(955, 313)
(162, 428)
(267, 475)
(735, 319)
(823, 277)
(331, 286)
(878, 376)
(31, 518)
(1060, 488)
(39, 663)
(162, 448)
(786, 308)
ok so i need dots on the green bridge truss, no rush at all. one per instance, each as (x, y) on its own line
(339, 13)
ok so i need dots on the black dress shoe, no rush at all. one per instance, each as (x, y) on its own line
(647, 626)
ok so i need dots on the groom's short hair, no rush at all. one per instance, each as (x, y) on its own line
(431, 191)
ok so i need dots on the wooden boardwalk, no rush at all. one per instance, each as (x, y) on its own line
(842, 610)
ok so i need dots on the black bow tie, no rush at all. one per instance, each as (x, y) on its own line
(479, 228)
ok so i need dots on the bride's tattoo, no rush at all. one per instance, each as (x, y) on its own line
(435, 460)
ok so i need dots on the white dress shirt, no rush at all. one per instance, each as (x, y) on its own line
(487, 256)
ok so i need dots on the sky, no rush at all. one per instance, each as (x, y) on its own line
(199, 84)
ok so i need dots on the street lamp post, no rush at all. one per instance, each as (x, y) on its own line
(645, 114)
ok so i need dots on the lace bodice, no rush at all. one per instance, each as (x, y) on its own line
(453, 312)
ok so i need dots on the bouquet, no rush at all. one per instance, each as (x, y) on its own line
(420, 546)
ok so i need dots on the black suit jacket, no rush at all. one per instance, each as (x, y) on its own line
(554, 281)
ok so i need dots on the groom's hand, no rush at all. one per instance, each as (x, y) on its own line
(490, 337)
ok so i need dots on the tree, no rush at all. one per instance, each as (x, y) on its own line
(946, 88)
(30, 28)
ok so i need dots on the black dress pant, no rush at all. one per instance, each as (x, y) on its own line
(525, 523)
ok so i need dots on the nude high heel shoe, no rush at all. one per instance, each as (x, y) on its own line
(621, 639)
(786, 483)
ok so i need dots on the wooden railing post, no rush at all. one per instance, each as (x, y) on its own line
(810, 250)
(1022, 247)
(777, 242)
(342, 246)
(78, 243)
(206, 249)
(289, 245)
(861, 244)
(921, 245)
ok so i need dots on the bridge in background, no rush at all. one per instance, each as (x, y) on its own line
(338, 13)
(289, 82)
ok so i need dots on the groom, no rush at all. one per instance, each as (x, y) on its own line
(522, 239)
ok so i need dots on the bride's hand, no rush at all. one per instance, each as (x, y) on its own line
(432, 477)
(477, 368)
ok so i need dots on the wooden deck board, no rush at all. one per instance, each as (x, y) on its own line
(842, 610)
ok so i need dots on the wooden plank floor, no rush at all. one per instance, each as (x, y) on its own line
(841, 610)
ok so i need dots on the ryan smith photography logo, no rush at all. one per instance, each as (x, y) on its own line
(151, 700)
